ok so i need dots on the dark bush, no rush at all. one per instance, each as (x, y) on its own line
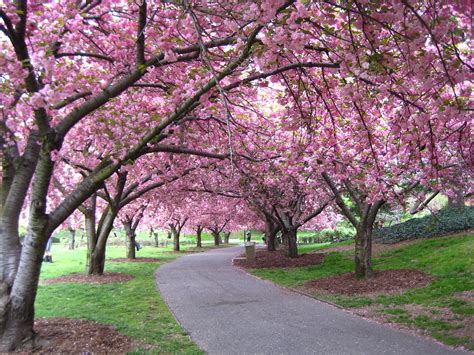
(333, 235)
(446, 221)
(56, 240)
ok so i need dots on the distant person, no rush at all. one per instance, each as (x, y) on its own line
(137, 246)
(48, 256)
(248, 236)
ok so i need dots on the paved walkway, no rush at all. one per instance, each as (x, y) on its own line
(227, 311)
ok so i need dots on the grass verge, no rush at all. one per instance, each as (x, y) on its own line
(443, 309)
(134, 308)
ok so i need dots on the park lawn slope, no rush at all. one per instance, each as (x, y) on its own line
(134, 308)
(443, 309)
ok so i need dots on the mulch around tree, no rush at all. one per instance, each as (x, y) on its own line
(136, 260)
(270, 259)
(106, 278)
(67, 336)
(386, 281)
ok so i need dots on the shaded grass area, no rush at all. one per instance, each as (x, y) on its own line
(440, 308)
(134, 308)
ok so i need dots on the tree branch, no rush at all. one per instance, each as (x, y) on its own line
(278, 71)
(183, 150)
(71, 99)
(84, 54)
(339, 201)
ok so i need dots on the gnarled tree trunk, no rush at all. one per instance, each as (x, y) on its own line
(271, 230)
(363, 253)
(292, 245)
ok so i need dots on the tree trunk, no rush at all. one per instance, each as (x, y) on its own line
(363, 253)
(199, 237)
(16, 329)
(18, 291)
(12, 330)
(175, 232)
(91, 239)
(292, 245)
(363, 241)
(97, 254)
(97, 262)
(226, 237)
(176, 246)
(72, 239)
(91, 235)
(130, 241)
(217, 238)
(131, 246)
(271, 230)
(157, 241)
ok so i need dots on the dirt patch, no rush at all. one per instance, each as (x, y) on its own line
(270, 259)
(106, 278)
(66, 336)
(467, 296)
(386, 281)
(136, 260)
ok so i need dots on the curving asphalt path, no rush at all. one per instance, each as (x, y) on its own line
(227, 311)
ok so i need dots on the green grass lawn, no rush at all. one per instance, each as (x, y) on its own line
(443, 308)
(306, 248)
(134, 308)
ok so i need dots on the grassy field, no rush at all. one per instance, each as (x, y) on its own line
(134, 308)
(444, 308)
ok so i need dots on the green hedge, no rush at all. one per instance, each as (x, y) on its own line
(333, 235)
(446, 221)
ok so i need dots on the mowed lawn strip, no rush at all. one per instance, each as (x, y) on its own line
(134, 308)
(443, 308)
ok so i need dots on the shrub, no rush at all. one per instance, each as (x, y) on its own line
(334, 235)
(446, 221)
(55, 240)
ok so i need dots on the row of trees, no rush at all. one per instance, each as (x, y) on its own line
(271, 111)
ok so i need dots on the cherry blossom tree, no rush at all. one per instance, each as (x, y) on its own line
(374, 91)
(112, 48)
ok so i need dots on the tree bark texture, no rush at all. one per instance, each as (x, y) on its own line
(217, 238)
(72, 239)
(363, 254)
(226, 237)
(271, 230)
(130, 241)
(199, 230)
(175, 232)
(291, 240)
